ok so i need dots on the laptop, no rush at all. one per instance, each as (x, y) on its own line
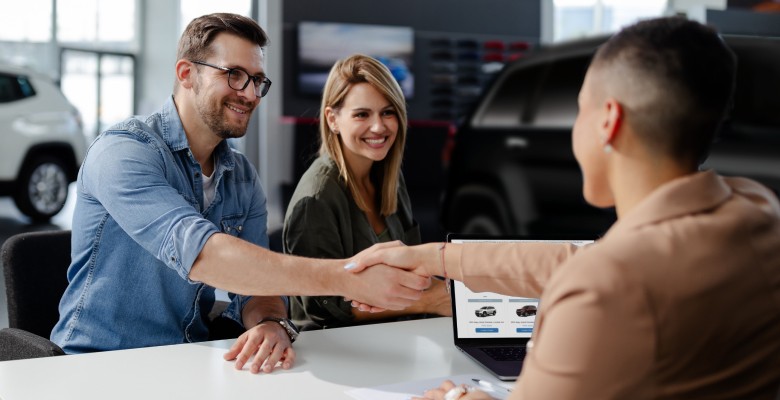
(493, 329)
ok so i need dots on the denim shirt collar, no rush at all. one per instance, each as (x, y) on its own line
(174, 136)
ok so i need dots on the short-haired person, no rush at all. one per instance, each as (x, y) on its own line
(353, 195)
(681, 298)
(166, 212)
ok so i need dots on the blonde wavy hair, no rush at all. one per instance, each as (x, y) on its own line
(344, 74)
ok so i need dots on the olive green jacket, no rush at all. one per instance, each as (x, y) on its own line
(323, 221)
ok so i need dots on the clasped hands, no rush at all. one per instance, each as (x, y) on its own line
(424, 261)
(412, 260)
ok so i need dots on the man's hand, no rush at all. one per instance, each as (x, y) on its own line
(435, 300)
(268, 342)
(419, 259)
(395, 254)
(386, 287)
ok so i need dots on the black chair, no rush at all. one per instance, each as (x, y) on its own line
(34, 265)
(17, 344)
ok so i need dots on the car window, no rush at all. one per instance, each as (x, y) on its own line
(505, 108)
(758, 83)
(555, 102)
(13, 87)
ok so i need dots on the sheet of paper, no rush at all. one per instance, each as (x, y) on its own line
(405, 390)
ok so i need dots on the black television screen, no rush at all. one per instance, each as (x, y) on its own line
(321, 44)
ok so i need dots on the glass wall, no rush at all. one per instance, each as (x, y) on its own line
(575, 19)
(191, 9)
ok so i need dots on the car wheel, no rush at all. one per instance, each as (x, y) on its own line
(42, 188)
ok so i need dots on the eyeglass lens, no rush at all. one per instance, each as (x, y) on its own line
(239, 79)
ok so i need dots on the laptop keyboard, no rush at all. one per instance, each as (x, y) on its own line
(505, 353)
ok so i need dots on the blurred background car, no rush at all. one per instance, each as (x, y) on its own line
(43, 143)
(511, 166)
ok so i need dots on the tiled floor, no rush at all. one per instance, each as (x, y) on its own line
(13, 222)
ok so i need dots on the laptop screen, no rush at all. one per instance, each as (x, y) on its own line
(486, 315)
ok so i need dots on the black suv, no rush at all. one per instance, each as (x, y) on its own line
(526, 311)
(512, 169)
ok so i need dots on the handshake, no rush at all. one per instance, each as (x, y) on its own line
(394, 276)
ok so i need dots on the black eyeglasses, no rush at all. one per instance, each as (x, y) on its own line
(238, 79)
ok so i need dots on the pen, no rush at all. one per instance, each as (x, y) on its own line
(492, 387)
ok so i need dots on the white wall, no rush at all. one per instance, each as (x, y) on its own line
(159, 37)
(275, 139)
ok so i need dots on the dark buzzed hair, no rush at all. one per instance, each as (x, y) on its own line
(197, 37)
(692, 71)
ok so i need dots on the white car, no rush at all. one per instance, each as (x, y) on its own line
(43, 142)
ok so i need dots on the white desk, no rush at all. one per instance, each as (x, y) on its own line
(328, 363)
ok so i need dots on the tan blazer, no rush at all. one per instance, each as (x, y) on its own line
(679, 300)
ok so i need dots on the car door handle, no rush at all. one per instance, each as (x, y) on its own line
(516, 142)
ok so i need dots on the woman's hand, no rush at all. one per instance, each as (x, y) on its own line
(448, 391)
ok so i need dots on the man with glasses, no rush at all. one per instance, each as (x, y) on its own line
(166, 212)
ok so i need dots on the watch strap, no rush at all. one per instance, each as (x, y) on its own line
(289, 327)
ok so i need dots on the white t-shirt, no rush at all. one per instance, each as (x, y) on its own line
(209, 190)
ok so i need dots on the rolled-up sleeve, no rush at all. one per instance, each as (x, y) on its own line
(137, 194)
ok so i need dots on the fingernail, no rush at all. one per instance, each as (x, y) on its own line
(350, 266)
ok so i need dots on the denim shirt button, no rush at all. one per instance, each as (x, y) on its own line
(324, 302)
(197, 174)
(239, 228)
(173, 259)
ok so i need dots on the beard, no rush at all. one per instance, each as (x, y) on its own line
(213, 115)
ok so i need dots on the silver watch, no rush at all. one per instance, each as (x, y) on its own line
(289, 327)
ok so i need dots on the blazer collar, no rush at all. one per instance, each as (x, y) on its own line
(687, 195)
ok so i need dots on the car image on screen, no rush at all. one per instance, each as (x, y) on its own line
(485, 311)
(526, 311)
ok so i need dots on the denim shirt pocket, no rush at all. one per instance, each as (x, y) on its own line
(233, 225)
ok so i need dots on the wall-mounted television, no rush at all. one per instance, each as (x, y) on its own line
(321, 44)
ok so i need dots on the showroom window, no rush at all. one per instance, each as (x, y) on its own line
(191, 9)
(97, 59)
(101, 85)
(575, 19)
(18, 24)
(98, 23)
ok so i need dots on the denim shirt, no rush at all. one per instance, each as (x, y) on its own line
(139, 225)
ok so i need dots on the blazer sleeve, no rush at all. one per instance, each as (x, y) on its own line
(591, 308)
(514, 269)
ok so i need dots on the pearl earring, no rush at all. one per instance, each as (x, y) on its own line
(607, 148)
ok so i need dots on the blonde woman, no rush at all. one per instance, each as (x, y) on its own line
(353, 196)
